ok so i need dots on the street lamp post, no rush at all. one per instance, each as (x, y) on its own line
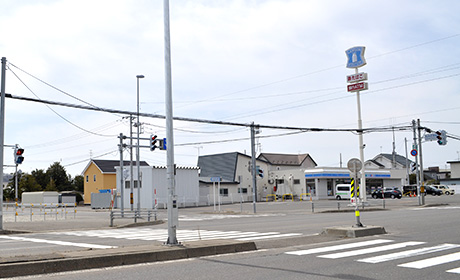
(138, 151)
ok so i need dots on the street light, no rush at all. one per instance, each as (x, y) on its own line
(137, 151)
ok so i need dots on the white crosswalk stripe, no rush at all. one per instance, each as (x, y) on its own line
(339, 247)
(370, 250)
(161, 235)
(408, 254)
(433, 261)
(375, 247)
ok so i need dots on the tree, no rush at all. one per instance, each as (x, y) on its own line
(58, 177)
(41, 178)
(78, 183)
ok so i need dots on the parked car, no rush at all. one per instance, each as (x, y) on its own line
(387, 193)
(433, 191)
(445, 189)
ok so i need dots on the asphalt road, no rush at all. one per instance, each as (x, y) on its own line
(283, 233)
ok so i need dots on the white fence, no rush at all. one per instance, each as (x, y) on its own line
(22, 212)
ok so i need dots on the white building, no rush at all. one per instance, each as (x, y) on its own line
(154, 187)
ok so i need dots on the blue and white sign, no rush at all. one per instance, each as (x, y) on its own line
(355, 57)
(215, 179)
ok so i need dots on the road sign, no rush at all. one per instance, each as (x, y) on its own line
(357, 78)
(413, 152)
(215, 179)
(354, 165)
(431, 137)
(357, 87)
(355, 57)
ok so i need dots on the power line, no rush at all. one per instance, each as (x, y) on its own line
(59, 115)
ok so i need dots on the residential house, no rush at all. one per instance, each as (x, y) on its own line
(101, 175)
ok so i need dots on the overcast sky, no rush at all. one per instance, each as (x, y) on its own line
(279, 62)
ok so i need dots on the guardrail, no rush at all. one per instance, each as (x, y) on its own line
(29, 210)
(135, 215)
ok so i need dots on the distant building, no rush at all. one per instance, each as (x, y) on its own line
(234, 172)
(101, 175)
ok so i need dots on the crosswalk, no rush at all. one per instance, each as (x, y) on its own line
(150, 234)
(379, 246)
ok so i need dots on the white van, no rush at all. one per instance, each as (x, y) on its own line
(342, 191)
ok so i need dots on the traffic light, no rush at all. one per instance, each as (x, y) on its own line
(260, 171)
(153, 142)
(18, 157)
(441, 135)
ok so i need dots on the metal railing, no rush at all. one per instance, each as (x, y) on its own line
(135, 215)
(27, 211)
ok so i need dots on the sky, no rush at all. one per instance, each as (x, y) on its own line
(273, 62)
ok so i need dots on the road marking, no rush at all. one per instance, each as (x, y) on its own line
(161, 235)
(55, 242)
(433, 261)
(370, 250)
(455, 270)
(408, 254)
(339, 247)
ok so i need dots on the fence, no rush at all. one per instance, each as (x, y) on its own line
(39, 212)
(135, 215)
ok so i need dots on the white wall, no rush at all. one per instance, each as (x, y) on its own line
(155, 179)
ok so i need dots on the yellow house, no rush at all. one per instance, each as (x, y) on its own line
(100, 174)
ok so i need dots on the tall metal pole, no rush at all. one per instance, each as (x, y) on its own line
(253, 164)
(138, 151)
(361, 147)
(407, 181)
(131, 172)
(2, 138)
(422, 179)
(122, 187)
(170, 168)
(416, 162)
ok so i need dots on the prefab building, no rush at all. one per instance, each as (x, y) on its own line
(40, 197)
(154, 187)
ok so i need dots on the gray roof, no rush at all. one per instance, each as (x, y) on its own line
(219, 165)
(399, 159)
(108, 166)
(285, 159)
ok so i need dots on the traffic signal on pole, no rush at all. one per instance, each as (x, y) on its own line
(441, 135)
(153, 142)
(18, 157)
(259, 171)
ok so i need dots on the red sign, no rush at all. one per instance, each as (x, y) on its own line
(357, 78)
(357, 87)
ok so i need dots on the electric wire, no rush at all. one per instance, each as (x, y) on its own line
(55, 112)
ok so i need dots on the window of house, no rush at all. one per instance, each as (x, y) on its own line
(224, 192)
(242, 190)
(87, 178)
(296, 181)
(94, 178)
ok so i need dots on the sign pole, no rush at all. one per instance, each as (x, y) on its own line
(355, 165)
(2, 137)
(356, 59)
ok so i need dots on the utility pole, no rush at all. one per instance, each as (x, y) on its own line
(2, 137)
(253, 166)
(170, 166)
(131, 172)
(422, 180)
(122, 206)
(414, 147)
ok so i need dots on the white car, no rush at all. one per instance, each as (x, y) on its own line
(445, 189)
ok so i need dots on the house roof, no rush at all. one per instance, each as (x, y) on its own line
(108, 166)
(219, 165)
(285, 159)
(399, 159)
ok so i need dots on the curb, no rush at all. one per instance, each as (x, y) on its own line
(114, 257)
(354, 231)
